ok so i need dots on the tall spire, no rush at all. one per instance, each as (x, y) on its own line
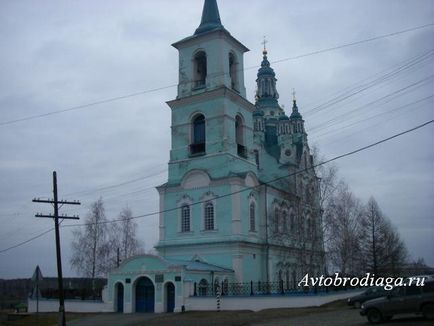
(210, 18)
(295, 115)
(266, 94)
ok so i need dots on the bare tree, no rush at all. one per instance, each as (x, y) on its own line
(343, 217)
(383, 248)
(328, 184)
(90, 247)
(124, 235)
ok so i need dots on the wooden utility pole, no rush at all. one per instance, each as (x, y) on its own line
(55, 202)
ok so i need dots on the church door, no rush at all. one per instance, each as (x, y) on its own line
(119, 297)
(145, 295)
(170, 297)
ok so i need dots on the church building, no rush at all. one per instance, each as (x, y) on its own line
(241, 203)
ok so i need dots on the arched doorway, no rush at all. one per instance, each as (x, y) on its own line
(119, 297)
(170, 297)
(145, 295)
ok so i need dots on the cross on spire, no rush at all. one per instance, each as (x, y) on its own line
(264, 42)
(293, 95)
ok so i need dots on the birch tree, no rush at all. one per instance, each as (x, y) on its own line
(343, 218)
(125, 235)
(91, 247)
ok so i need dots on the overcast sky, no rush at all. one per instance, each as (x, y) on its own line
(56, 55)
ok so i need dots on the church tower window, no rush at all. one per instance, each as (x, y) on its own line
(239, 137)
(198, 135)
(233, 74)
(252, 217)
(209, 217)
(200, 70)
(276, 220)
(185, 218)
(285, 221)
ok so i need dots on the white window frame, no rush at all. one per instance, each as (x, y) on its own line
(208, 198)
(185, 201)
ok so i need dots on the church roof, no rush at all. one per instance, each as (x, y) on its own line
(210, 23)
(195, 265)
(210, 18)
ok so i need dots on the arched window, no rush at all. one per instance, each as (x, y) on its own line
(252, 216)
(209, 216)
(239, 137)
(285, 221)
(203, 287)
(239, 130)
(308, 227)
(233, 71)
(198, 135)
(200, 70)
(185, 218)
(276, 220)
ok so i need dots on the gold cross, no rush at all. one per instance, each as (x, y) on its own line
(264, 42)
(293, 94)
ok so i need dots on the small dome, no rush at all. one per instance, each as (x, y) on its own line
(296, 116)
(258, 113)
(283, 117)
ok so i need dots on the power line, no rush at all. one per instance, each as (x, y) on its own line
(117, 98)
(395, 93)
(362, 87)
(27, 241)
(405, 106)
(354, 43)
(239, 191)
(86, 192)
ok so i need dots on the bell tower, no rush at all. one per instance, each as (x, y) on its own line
(211, 57)
(211, 117)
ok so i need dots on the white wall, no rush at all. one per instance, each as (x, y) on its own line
(257, 303)
(254, 303)
(70, 306)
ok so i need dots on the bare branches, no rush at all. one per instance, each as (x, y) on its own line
(95, 248)
(90, 246)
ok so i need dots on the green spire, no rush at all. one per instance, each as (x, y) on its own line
(295, 115)
(210, 18)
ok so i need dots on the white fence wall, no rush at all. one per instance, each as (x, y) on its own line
(257, 303)
(254, 303)
(70, 306)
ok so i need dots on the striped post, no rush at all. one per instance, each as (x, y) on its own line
(218, 298)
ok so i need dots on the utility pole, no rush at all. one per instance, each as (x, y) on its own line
(55, 202)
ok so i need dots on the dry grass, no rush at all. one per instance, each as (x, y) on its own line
(43, 319)
(237, 318)
(191, 318)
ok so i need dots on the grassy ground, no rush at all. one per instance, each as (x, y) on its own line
(43, 319)
(237, 318)
(208, 318)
